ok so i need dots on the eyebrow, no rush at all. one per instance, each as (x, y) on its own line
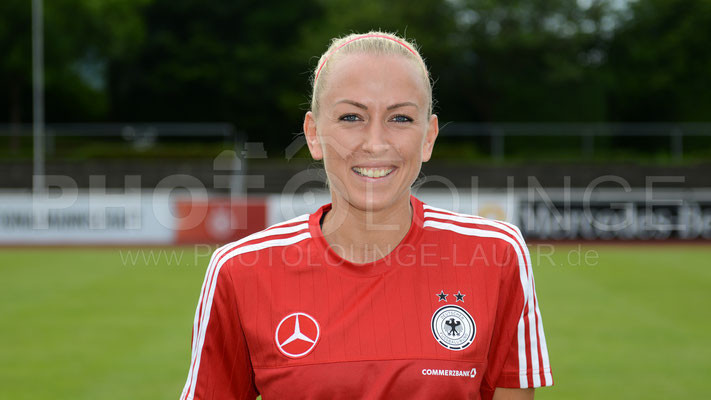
(390, 107)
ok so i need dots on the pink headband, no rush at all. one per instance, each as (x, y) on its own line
(357, 38)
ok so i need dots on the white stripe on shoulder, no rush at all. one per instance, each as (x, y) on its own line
(196, 321)
(535, 324)
(474, 219)
(485, 233)
(300, 218)
(208, 303)
(546, 367)
(209, 274)
(534, 315)
(271, 231)
(526, 288)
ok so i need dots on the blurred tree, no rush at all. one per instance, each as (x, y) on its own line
(81, 39)
(15, 63)
(217, 61)
(528, 60)
(660, 63)
(248, 62)
(80, 36)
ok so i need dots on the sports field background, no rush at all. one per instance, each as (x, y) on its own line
(631, 322)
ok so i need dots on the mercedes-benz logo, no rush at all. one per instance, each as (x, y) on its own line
(297, 334)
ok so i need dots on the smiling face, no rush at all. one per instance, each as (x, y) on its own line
(373, 129)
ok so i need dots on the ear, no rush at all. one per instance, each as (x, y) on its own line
(430, 137)
(312, 139)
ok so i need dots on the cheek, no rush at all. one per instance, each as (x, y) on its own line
(412, 148)
(338, 146)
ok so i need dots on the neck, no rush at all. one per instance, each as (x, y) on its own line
(362, 236)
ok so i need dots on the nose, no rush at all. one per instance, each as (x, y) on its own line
(374, 139)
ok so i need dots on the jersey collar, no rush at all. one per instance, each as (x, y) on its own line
(402, 253)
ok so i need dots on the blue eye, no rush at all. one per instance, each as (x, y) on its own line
(402, 118)
(349, 118)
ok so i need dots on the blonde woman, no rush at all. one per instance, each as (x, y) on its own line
(376, 295)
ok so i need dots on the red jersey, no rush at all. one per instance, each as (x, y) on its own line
(451, 312)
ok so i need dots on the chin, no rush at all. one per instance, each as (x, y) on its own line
(377, 202)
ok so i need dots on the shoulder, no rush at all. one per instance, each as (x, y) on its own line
(472, 227)
(277, 236)
(500, 239)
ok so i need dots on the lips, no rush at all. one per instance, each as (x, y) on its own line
(373, 172)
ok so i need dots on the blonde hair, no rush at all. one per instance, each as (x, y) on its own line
(373, 42)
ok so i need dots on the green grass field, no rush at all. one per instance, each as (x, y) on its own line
(115, 324)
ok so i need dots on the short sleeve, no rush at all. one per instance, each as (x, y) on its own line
(220, 366)
(518, 356)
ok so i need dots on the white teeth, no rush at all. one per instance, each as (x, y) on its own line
(373, 172)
